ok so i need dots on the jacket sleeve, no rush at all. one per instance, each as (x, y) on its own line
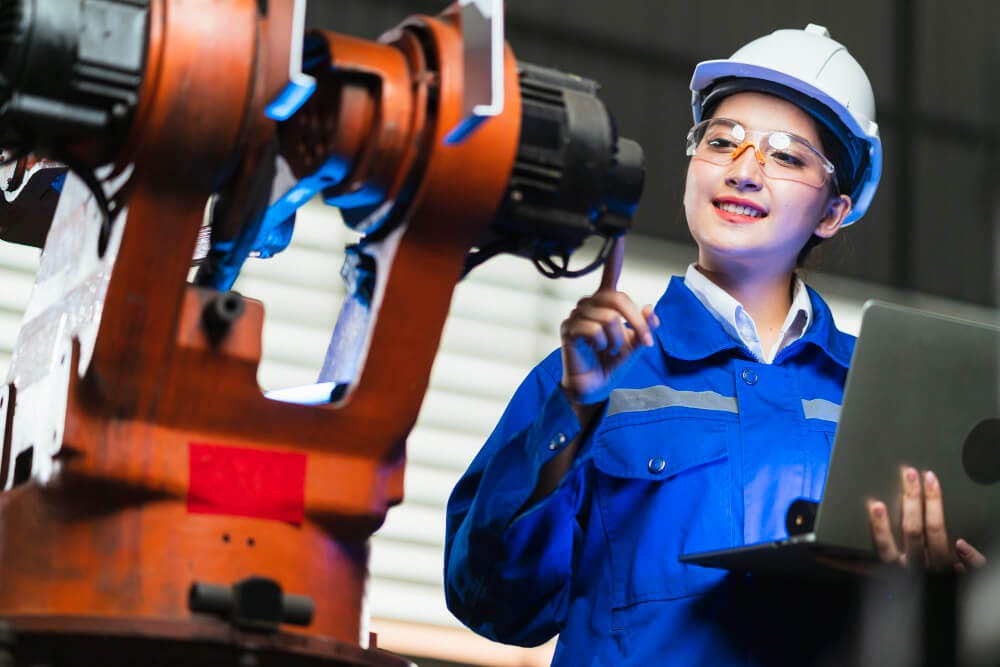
(507, 568)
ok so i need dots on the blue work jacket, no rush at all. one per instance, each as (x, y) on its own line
(700, 447)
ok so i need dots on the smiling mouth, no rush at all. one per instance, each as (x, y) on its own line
(739, 209)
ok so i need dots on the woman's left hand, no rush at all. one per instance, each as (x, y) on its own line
(925, 538)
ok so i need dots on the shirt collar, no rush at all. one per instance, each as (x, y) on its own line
(723, 307)
(738, 323)
(689, 331)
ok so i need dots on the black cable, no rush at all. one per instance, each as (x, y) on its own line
(548, 267)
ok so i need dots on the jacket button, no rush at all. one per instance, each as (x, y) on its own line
(657, 464)
(557, 442)
(749, 376)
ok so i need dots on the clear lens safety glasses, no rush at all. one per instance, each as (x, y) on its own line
(781, 155)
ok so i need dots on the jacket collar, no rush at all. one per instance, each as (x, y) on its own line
(824, 333)
(689, 332)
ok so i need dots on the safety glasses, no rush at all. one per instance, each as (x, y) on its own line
(781, 155)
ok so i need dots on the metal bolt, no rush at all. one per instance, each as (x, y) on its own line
(219, 314)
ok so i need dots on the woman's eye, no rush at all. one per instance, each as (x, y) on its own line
(787, 159)
(721, 143)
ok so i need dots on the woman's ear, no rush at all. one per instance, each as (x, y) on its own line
(833, 216)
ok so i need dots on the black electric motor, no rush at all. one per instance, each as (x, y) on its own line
(70, 71)
(573, 176)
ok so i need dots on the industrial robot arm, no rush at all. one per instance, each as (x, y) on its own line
(134, 433)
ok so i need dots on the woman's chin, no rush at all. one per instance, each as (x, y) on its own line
(730, 243)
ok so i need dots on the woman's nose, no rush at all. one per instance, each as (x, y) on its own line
(745, 172)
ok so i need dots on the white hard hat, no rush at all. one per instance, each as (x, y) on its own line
(816, 72)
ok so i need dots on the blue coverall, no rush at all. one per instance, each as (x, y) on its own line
(700, 447)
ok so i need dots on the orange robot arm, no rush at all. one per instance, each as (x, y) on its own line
(150, 493)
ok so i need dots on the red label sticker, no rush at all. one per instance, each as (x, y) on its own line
(239, 481)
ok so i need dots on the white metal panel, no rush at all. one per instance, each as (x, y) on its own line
(424, 484)
(407, 562)
(10, 324)
(412, 602)
(17, 275)
(442, 447)
(451, 410)
(475, 375)
(500, 342)
(413, 522)
(16, 287)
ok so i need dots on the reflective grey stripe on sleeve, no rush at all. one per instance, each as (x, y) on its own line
(653, 398)
(820, 408)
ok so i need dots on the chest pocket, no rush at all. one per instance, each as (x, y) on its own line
(818, 445)
(664, 489)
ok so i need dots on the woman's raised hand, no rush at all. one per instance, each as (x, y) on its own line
(596, 343)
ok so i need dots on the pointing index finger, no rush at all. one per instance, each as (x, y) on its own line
(613, 265)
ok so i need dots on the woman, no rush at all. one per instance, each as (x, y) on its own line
(693, 425)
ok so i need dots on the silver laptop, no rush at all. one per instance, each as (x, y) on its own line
(923, 390)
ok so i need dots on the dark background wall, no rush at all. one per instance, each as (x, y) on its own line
(935, 224)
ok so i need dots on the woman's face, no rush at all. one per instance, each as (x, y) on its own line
(785, 213)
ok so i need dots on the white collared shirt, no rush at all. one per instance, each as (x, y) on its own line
(737, 321)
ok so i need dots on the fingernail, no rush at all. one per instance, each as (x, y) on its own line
(911, 475)
(648, 340)
(878, 510)
(962, 545)
(930, 480)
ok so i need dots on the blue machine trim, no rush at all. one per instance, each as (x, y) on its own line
(291, 99)
(464, 129)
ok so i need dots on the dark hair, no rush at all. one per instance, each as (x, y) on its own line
(810, 244)
(835, 153)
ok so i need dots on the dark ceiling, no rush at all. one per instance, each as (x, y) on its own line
(934, 226)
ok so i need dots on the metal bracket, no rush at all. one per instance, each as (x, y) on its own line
(300, 85)
(483, 51)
